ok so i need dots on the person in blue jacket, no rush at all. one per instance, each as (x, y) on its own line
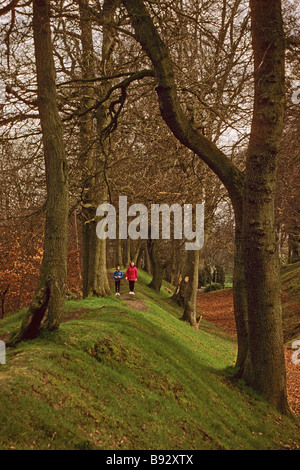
(117, 275)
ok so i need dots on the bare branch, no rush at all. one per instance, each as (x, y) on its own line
(9, 7)
(122, 85)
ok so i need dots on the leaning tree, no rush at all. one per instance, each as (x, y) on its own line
(252, 192)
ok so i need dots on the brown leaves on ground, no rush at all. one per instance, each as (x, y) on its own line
(217, 307)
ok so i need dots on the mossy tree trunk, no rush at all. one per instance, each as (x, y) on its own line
(46, 307)
(266, 372)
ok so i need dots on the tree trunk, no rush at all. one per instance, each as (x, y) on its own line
(157, 266)
(183, 278)
(179, 293)
(176, 261)
(267, 370)
(95, 282)
(126, 252)
(102, 280)
(148, 267)
(47, 304)
(118, 251)
(240, 296)
(190, 297)
(87, 157)
(137, 252)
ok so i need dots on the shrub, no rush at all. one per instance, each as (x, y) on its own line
(213, 286)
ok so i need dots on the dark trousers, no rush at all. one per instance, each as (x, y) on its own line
(131, 286)
(117, 284)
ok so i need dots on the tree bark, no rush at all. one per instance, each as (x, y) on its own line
(191, 288)
(147, 261)
(267, 371)
(118, 249)
(240, 297)
(179, 293)
(87, 158)
(183, 278)
(126, 252)
(157, 266)
(95, 282)
(47, 304)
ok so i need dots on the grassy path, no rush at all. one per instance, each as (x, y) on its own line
(117, 377)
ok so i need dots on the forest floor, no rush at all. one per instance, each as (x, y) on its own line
(217, 307)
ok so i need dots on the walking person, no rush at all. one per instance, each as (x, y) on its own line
(131, 275)
(118, 275)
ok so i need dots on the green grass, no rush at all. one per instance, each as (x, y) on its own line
(117, 378)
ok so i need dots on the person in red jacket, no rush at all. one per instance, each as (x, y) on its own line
(132, 275)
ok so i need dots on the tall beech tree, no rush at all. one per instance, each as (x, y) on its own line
(187, 133)
(267, 366)
(252, 192)
(46, 306)
(87, 151)
(94, 192)
(94, 149)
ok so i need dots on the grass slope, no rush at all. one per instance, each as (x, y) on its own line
(113, 377)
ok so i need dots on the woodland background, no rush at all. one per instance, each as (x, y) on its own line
(210, 43)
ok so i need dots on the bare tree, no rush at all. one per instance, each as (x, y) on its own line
(268, 47)
(46, 307)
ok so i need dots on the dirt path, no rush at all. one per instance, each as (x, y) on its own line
(134, 302)
(217, 307)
